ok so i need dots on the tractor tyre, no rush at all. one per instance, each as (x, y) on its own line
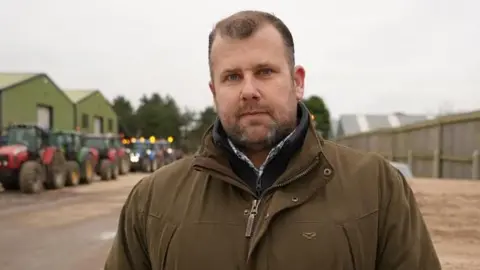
(57, 171)
(146, 165)
(105, 169)
(125, 165)
(154, 165)
(73, 174)
(88, 170)
(31, 177)
(116, 169)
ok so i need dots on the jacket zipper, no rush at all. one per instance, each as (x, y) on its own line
(251, 218)
(255, 203)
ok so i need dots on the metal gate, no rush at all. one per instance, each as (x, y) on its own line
(44, 117)
(97, 125)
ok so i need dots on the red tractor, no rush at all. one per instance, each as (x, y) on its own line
(124, 163)
(108, 165)
(29, 162)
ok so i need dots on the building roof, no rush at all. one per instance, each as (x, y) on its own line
(76, 95)
(350, 124)
(8, 79)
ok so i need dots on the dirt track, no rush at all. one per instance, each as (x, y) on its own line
(452, 212)
(71, 228)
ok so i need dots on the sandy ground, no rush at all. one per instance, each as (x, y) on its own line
(40, 232)
(71, 228)
(452, 211)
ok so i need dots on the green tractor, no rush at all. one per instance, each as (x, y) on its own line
(81, 160)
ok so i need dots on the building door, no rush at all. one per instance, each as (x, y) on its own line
(97, 125)
(44, 117)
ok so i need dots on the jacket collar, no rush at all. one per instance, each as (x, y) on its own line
(289, 144)
(303, 147)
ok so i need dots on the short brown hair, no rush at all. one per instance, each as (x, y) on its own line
(244, 24)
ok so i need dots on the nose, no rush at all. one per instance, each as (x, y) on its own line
(250, 89)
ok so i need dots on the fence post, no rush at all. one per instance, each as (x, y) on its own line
(476, 165)
(410, 159)
(436, 164)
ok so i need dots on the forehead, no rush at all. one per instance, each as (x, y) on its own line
(264, 46)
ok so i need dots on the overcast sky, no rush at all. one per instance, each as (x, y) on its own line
(368, 56)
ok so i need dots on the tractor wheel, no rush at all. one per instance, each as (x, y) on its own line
(73, 173)
(31, 177)
(56, 171)
(154, 165)
(146, 165)
(124, 165)
(105, 169)
(115, 169)
(88, 170)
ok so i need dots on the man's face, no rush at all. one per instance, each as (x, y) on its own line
(254, 88)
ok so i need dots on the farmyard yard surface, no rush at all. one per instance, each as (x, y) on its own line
(73, 228)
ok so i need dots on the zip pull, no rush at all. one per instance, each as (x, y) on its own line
(251, 218)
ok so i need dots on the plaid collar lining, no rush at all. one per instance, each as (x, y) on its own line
(270, 156)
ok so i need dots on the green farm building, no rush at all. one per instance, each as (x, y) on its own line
(93, 113)
(34, 98)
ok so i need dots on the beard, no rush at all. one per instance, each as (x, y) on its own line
(259, 135)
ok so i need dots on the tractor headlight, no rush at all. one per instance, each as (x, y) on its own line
(134, 157)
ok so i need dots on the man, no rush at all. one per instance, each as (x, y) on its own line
(264, 191)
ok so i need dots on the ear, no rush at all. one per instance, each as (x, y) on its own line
(212, 88)
(299, 81)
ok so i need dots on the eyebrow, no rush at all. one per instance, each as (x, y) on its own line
(256, 67)
(263, 65)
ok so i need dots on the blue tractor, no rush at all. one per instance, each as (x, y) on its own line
(144, 154)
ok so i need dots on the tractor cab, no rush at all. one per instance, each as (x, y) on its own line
(3, 140)
(139, 146)
(25, 141)
(107, 167)
(101, 144)
(137, 151)
(144, 154)
(71, 142)
(29, 161)
(116, 142)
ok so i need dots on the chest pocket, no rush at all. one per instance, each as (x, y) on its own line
(315, 244)
(211, 240)
(206, 246)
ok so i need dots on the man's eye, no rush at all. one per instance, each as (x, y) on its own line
(232, 77)
(265, 71)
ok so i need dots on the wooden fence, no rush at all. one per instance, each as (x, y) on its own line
(445, 147)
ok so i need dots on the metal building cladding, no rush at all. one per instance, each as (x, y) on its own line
(33, 98)
(93, 113)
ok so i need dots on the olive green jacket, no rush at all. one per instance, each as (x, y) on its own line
(333, 208)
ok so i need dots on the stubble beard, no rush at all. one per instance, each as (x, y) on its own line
(276, 133)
